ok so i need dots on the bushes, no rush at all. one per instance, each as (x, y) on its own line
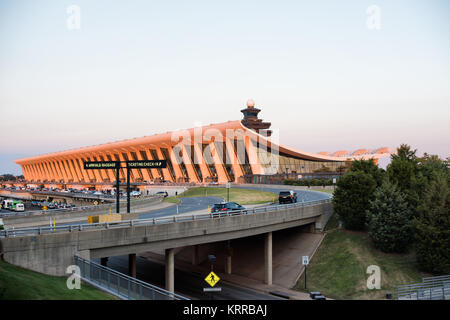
(389, 219)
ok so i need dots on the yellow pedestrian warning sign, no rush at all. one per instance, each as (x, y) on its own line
(212, 279)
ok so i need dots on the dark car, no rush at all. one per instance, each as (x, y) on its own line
(287, 197)
(162, 193)
(226, 206)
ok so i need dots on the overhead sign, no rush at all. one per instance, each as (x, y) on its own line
(147, 164)
(212, 279)
(305, 260)
(101, 165)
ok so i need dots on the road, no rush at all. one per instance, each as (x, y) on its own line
(186, 283)
(186, 205)
(302, 195)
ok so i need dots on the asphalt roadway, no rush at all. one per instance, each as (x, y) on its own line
(188, 284)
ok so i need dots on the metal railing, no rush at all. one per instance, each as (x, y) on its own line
(121, 285)
(431, 288)
(143, 222)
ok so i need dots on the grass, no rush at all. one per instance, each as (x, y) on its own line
(17, 283)
(171, 199)
(338, 269)
(241, 196)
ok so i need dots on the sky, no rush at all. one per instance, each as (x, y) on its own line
(329, 75)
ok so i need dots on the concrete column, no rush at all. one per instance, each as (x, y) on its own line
(195, 259)
(268, 258)
(170, 268)
(104, 261)
(132, 265)
(228, 258)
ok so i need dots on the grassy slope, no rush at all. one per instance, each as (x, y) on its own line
(171, 199)
(338, 269)
(324, 190)
(22, 284)
(241, 196)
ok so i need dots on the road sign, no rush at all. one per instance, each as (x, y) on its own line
(305, 260)
(228, 185)
(212, 289)
(44, 208)
(147, 164)
(212, 279)
(101, 165)
(334, 180)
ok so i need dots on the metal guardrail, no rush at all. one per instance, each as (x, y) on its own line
(121, 285)
(431, 288)
(143, 222)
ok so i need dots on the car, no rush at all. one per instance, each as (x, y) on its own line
(98, 193)
(226, 206)
(162, 193)
(135, 193)
(287, 197)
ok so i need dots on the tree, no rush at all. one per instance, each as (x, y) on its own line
(369, 167)
(389, 219)
(403, 171)
(351, 198)
(432, 224)
(8, 177)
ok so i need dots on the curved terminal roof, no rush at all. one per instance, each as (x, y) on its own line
(171, 138)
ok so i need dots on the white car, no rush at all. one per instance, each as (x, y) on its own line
(135, 193)
(98, 193)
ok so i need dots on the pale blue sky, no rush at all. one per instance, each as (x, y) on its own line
(135, 68)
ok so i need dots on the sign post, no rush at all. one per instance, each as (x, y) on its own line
(305, 261)
(97, 165)
(228, 191)
(139, 164)
(212, 279)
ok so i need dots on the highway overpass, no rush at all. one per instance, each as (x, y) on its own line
(50, 251)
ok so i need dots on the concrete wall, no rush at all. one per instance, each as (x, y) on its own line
(52, 253)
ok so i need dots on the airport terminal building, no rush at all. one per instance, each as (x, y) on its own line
(234, 151)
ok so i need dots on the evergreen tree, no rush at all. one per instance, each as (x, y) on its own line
(351, 198)
(403, 171)
(369, 167)
(389, 219)
(432, 234)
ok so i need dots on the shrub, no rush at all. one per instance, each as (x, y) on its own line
(351, 198)
(389, 219)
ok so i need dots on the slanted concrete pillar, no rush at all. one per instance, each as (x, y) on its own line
(195, 259)
(170, 268)
(132, 265)
(228, 258)
(268, 258)
(104, 261)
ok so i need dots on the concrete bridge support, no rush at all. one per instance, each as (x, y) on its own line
(195, 255)
(268, 258)
(228, 258)
(132, 265)
(170, 268)
(104, 261)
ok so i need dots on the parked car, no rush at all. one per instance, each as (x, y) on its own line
(287, 197)
(226, 206)
(163, 193)
(135, 193)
